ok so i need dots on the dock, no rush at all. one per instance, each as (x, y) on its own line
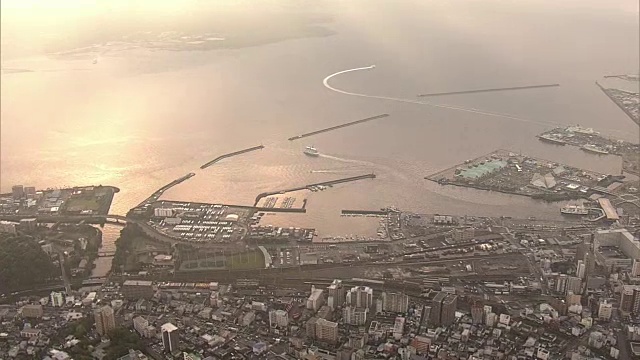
(489, 90)
(297, 137)
(324, 183)
(235, 153)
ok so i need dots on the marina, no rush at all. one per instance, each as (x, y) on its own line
(316, 185)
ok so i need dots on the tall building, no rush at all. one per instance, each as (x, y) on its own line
(360, 296)
(477, 313)
(279, 319)
(635, 308)
(355, 316)
(561, 284)
(337, 294)
(574, 284)
(169, 337)
(57, 299)
(316, 299)
(17, 191)
(604, 311)
(137, 289)
(635, 268)
(326, 331)
(311, 327)
(105, 319)
(443, 309)
(581, 268)
(143, 328)
(395, 302)
(29, 190)
(626, 298)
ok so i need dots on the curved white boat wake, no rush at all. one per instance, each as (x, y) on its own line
(418, 102)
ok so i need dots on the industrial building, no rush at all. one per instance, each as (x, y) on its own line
(137, 289)
(616, 248)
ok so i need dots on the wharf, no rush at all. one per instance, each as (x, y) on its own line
(324, 183)
(518, 174)
(489, 90)
(622, 107)
(297, 137)
(235, 153)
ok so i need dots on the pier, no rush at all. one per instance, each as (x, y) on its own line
(489, 90)
(324, 183)
(337, 127)
(235, 153)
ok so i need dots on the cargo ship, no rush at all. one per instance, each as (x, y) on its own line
(574, 210)
(552, 139)
(311, 151)
(594, 149)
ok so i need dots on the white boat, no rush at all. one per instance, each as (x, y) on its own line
(311, 151)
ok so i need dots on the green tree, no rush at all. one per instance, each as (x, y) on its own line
(23, 263)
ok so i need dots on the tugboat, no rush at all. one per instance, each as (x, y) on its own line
(594, 149)
(311, 151)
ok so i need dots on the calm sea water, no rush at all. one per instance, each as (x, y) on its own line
(139, 118)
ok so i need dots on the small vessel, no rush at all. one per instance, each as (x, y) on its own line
(574, 210)
(594, 149)
(552, 139)
(311, 151)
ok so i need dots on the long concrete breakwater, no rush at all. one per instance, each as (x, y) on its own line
(324, 183)
(235, 153)
(156, 195)
(489, 90)
(337, 127)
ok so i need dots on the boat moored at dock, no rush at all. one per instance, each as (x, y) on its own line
(594, 149)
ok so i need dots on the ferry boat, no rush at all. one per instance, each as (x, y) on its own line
(552, 139)
(574, 210)
(594, 149)
(311, 151)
